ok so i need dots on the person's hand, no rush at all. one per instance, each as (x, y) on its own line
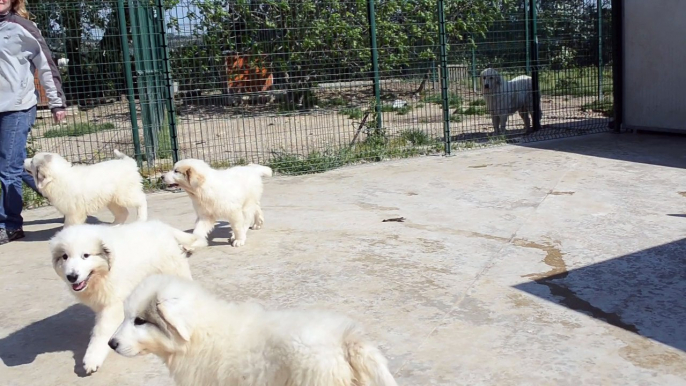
(59, 115)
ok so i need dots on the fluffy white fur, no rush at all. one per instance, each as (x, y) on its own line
(102, 265)
(206, 341)
(231, 194)
(504, 98)
(81, 190)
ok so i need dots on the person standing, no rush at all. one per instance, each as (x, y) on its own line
(22, 51)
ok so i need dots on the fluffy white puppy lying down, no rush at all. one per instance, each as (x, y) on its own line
(102, 264)
(504, 98)
(231, 194)
(81, 190)
(206, 341)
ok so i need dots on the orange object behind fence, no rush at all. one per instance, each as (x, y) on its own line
(245, 77)
(42, 98)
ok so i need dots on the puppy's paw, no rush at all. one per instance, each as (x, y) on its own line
(238, 243)
(91, 364)
(256, 226)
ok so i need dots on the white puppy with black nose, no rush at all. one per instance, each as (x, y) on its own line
(102, 264)
(231, 194)
(81, 190)
(207, 341)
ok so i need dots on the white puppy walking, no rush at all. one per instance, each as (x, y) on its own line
(103, 264)
(504, 98)
(233, 194)
(81, 190)
(206, 341)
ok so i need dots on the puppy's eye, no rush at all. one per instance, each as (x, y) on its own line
(85, 255)
(139, 321)
(491, 78)
(65, 257)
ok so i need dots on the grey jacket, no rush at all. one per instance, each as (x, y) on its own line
(22, 51)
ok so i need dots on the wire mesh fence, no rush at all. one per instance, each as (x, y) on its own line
(309, 85)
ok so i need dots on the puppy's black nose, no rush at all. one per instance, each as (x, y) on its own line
(72, 277)
(113, 344)
(486, 86)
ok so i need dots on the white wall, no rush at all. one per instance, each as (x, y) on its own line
(655, 64)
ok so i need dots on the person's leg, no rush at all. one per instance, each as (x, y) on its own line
(14, 130)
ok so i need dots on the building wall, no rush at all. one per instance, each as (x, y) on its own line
(655, 64)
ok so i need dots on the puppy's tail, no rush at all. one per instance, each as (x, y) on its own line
(264, 171)
(369, 366)
(187, 241)
(120, 155)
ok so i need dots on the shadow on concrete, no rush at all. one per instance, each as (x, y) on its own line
(643, 292)
(222, 231)
(662, 149)
(46, 234)
(68, 330)
(43, 221)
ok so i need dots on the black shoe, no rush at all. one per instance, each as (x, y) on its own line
(16, 234)
(10, 235)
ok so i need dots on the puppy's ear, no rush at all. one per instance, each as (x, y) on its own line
(194, 178)
(27, 165)
(171, 313)
(106, 253)
(43, 176)
(57, 253)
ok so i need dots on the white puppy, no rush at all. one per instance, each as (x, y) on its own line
(504, 98)
(206, 341)
(103, 264)
(233, 194)
(81, 190)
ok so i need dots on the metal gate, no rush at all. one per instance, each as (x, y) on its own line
(153, 75)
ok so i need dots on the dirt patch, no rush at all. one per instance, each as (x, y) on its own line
(215, 131)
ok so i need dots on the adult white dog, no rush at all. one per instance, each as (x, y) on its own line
(102, 264)
(206, 341)
(232, 194)
(81, 190)
(504, 98)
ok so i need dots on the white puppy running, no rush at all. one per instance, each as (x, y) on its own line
(233, 194)
(504, 98)
(81, 190)
(206, 341)
(103, 264)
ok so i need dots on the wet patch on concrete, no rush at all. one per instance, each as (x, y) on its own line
(553, 258)
(558, 270)
(643, 352)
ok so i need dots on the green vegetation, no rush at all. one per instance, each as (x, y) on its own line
(78, 129)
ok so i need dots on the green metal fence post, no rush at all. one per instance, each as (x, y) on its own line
(168, 83)
(444, 74)
(371, 15)
(528, 40)
(618, 64)
(124, 34)
(474, 74)
(535, 89)
(600, 49)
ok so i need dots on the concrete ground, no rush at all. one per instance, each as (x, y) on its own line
(562, 263)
